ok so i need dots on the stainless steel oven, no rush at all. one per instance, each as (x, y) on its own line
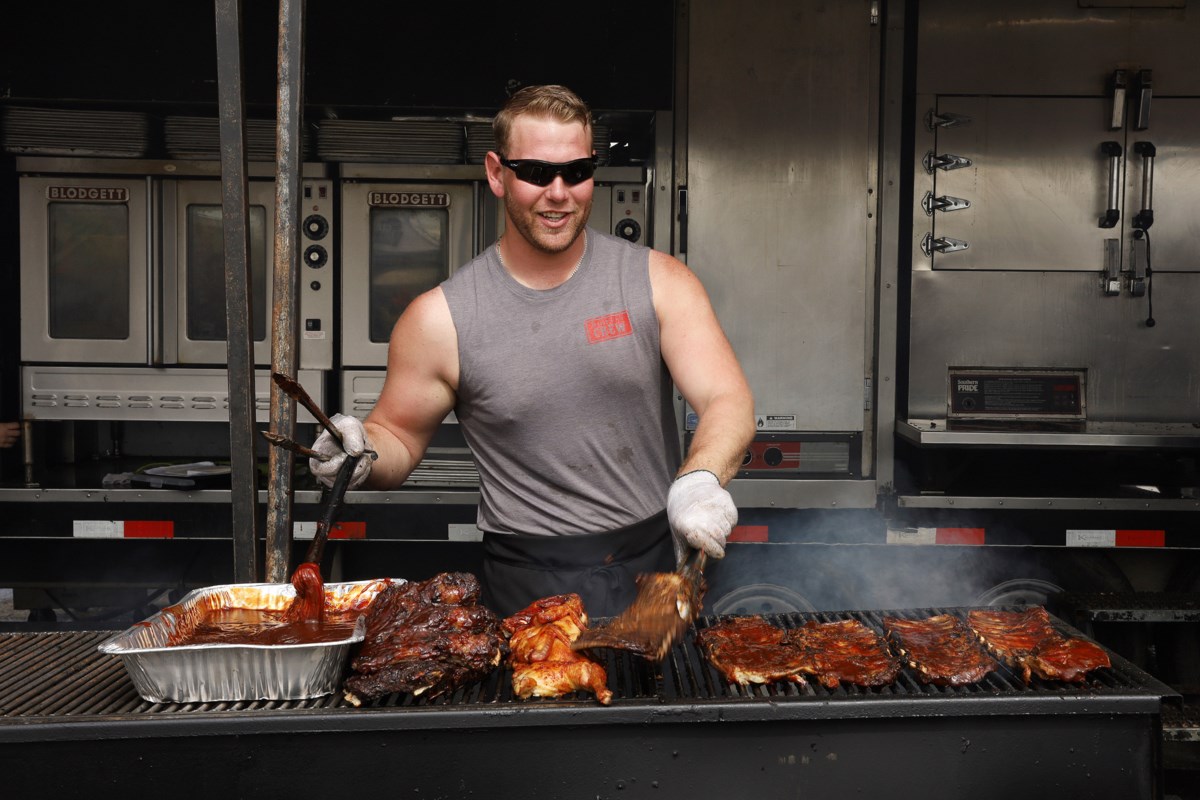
(405, 228)
(123, 286)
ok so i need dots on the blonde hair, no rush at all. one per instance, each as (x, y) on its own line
(552, 102)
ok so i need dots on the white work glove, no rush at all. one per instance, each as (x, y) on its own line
(701, 512)
(354, 437)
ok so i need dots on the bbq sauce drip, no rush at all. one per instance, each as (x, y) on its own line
(309, 605)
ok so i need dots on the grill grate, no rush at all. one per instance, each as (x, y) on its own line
(61, 675)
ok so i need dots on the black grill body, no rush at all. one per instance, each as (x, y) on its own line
(71, 723)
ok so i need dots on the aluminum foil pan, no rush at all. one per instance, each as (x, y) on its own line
(207, 673)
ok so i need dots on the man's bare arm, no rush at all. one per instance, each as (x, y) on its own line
(703, 367)
(418, 392)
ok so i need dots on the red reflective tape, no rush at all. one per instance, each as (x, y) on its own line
(748, 533)
(348, 530)
(1141, 538)
(959, 536)
(149, 529)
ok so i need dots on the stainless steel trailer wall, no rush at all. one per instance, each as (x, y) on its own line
(1017, 261)
(780, 189)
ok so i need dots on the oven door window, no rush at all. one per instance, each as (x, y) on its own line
(89, 269)
(410, 254)
(206, 317)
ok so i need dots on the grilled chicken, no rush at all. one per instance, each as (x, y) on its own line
(543, 662)
(426, 637)
(567, 608)
(941, 649)
(1027, 641)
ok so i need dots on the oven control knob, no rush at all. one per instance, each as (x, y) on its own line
(773, 456)
(315, 256)
(629, 229)
(316, 227)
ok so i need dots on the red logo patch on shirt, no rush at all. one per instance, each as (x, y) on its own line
(610, 326)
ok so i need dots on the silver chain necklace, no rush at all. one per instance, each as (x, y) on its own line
(571, 274)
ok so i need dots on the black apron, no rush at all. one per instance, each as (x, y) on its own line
(599, 567)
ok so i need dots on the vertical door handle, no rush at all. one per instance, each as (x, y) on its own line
(1112, 215)
(683, 220)
(1145, 217)
(1144, 93)
(1119, 85)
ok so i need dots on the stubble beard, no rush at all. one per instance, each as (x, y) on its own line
(525, 222)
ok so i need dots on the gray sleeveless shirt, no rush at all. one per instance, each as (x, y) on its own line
(563, 395)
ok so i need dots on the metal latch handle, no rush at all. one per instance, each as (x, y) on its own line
(944, 244)
(1112, 214)
(946, 161)
(947, 203)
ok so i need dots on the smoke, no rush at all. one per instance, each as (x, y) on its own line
(857, 576)
(841, 560)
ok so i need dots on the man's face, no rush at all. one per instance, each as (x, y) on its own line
(549, 217)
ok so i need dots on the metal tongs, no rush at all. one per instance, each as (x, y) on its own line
(338, 491)
(665, 605)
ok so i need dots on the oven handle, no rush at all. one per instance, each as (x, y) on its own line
(1145, 217)
(153, 278)
(1112, 215)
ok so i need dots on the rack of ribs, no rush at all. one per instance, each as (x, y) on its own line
(751, 650)
(425, 637)
(846, 650)
(543, 663)
(1027, 641)
(941, 649)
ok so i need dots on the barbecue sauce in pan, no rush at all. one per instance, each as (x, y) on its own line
(304, 621)
(267, 627)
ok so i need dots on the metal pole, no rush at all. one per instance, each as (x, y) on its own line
(239, 346)
(286, 282)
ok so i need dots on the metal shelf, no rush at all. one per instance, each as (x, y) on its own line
(415, 496)
(943, 433)
(1047, 503)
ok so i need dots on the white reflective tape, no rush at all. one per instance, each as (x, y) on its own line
(98, 529)
(1078, 538)
(304, 530)
(461, 532)
(912, 536)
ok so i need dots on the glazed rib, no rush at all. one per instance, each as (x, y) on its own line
(846, 650)
(751, 650)
(1028, 642)
(941, 649)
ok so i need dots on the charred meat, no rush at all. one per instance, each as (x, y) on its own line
(1028, 642)
(941, 649)
(544, 664)
(428, 637)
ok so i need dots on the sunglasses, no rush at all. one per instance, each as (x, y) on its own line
(542, 173)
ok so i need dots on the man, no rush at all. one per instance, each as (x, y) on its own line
(557, 348)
